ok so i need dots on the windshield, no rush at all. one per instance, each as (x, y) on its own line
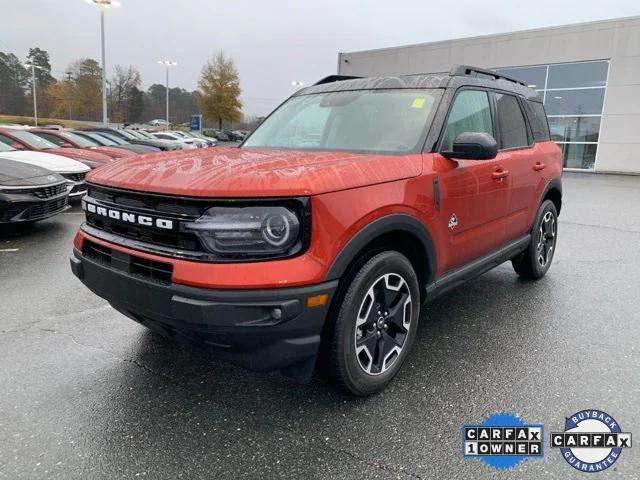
(77, 139)
(362, 120)
(113, 138)
(100, 140)
(145, 135)
(136, 134)
(6, 148)
(34, 141)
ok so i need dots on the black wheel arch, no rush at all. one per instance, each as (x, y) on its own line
(553, 192)
(400, 225)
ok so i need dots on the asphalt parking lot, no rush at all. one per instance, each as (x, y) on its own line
(87, 393)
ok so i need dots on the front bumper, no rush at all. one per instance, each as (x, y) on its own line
(238, 326)
(26, 207)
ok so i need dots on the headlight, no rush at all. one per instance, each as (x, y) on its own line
(255, 231)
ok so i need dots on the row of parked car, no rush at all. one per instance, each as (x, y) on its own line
(42, 168)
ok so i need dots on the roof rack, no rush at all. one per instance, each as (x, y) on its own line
(468, 70)
(334, 78)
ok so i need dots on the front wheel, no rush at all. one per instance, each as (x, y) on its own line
(534, 262)
(375, 326)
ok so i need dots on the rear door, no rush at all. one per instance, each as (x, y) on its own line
(518, 156)
(474, 193)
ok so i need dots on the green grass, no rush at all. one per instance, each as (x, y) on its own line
(42, 121)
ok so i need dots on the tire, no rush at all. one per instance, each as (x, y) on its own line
(535, 261)
(364, 349)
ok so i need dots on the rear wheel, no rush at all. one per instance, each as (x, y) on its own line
(375, 325)
(534, 262)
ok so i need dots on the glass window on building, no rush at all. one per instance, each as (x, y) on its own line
(573, 95)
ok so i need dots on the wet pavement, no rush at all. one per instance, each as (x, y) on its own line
(87, 393)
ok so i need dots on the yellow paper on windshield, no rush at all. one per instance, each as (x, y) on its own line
(418, 103)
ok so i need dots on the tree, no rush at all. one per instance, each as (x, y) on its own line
(124, 95)
(182, 103)
(13, 83)
(60, 96)
(136, 104)
(219, 94)
(86, 80)
(40, 58)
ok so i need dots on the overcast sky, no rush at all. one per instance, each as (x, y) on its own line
(272, 41)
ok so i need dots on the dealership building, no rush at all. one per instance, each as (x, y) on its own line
(587, 74)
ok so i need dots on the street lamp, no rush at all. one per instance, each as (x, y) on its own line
(167, 64)
(33, 67)
(297, 84)
(102, 4)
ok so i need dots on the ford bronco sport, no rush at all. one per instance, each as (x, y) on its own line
(321, 236)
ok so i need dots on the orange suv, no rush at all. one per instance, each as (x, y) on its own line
(322, 235)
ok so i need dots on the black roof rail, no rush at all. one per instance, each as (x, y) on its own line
(334, 78)
(468, 70)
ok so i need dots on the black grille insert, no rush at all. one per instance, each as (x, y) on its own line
(52, 191)
(34, 211)
(151, 270)
(75, 177)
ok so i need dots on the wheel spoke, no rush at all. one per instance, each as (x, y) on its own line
(548, 246)
(397, 313)
(383, 323)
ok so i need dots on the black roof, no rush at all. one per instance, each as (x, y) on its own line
(460, 75)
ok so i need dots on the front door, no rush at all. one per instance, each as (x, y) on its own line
(474, 193)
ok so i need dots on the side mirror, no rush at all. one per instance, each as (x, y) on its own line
(66, 145)
(473, 146)
(18, 146)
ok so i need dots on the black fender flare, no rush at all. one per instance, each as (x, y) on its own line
(554, 184)
(380, 226)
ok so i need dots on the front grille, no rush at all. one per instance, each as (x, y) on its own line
(34, 211)
(75, 177)
(178, 242)
(150, 270)
(175, 240)
(171, 207)
(48, 192)
(81, 187)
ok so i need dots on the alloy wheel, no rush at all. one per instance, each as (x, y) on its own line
(383, 323)
(546, 239)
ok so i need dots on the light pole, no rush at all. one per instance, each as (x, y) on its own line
(167, 64)
(33, 67)
(102, 4)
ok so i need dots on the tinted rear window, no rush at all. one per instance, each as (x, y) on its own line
(513, 128)
(538, 120)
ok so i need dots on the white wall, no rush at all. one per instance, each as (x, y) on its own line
(616, 40)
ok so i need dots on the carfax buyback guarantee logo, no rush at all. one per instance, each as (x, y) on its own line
(502, 440)
(592, 440)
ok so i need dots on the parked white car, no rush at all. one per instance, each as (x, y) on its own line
(73, 171)
(186, 142)
(197, 141)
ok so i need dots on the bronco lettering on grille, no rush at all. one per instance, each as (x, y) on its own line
(128, 217)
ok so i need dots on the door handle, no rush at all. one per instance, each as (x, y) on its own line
(538, 166)
(500, 174)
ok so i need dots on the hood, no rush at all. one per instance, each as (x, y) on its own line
(113, 152)
(80, 153)
(257, 172)
(89, 158)
(55, 163)
(18, 174)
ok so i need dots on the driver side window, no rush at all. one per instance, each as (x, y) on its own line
(470, 112)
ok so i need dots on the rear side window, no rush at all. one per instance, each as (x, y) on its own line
(513, 127)
(470, 113)
(538, 120)
(51, 138)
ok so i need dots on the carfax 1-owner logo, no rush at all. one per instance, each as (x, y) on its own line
(592, 440)
(502, 440)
